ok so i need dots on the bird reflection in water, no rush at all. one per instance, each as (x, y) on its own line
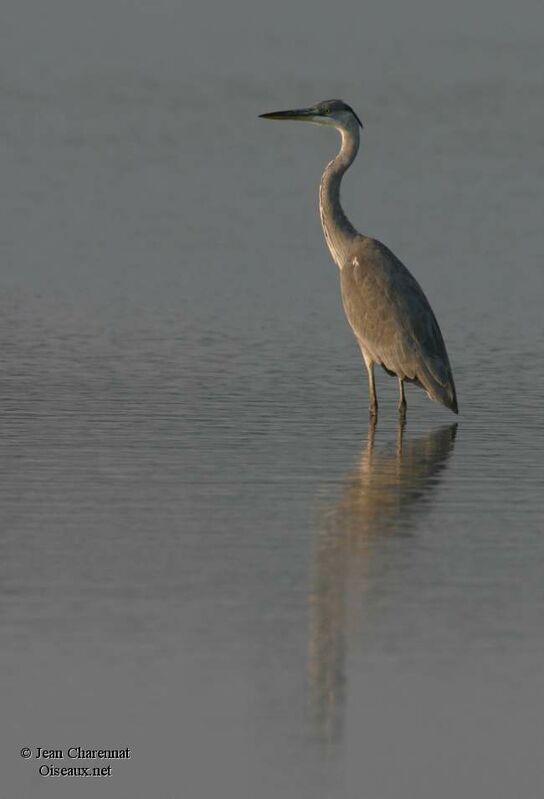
(382, 497)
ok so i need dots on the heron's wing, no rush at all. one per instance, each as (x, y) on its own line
(393, 321)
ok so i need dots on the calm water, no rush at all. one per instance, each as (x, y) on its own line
(206, 555)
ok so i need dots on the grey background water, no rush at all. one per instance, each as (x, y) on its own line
(202, 556)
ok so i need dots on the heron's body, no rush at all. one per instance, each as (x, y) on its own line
(389, 314)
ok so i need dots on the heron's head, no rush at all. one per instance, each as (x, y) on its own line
(334, 113)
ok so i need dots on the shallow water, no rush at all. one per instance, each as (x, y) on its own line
(206, 553)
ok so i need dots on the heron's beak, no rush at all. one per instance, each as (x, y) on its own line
(300, 114)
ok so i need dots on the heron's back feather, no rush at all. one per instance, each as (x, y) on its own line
(393, 321)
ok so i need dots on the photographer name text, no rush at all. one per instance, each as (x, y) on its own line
(79, 753)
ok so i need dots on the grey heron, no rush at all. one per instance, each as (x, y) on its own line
(386, 308)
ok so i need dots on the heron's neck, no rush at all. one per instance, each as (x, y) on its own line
(338, 230)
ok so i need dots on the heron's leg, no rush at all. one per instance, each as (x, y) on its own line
(402, 398)
(373, 408)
